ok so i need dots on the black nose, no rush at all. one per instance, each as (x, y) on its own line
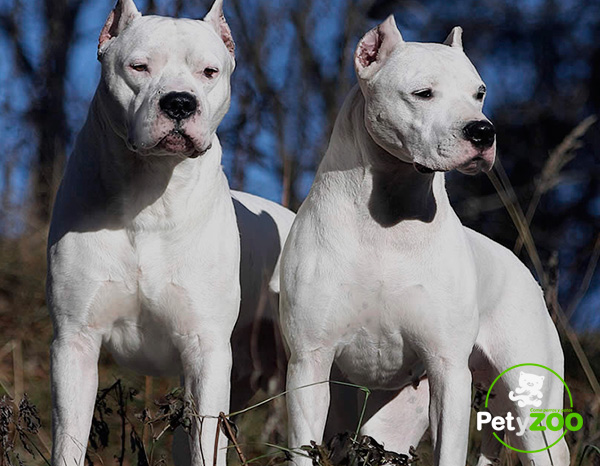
(178, 105)
(481, 133)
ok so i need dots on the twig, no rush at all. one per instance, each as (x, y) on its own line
(579, 351)
(585, 451)
(17, 356)
(547, 448)
(263, 456)
(22, 432)
(7, 348)
(121, 411)
(296, 451)
(231, 435)
(516, 214)
(558, 158)
(157, 438)
(41, 433)
(285, 392)
(216, 449)
(147, 404)
(362, 414)
(587, 278)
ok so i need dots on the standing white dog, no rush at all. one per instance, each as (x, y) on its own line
(379, 275)
(144, 248)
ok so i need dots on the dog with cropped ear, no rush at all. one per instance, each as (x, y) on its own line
(144, 246)
(380, 278)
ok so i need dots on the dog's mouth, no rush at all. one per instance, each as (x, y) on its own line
(425, 170)
(483, 162)
(480, 162)
(177, 142)
(472, 167)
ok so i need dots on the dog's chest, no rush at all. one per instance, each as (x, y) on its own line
(374, 344)
(389, 306)
(142, 307)
(156, 262)
(160, 289)
(174, 270)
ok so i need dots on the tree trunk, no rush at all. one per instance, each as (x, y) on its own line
(48, 111)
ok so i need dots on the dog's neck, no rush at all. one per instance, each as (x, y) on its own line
(391, 189)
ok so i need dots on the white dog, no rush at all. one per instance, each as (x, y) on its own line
(144, 248)
(380, 277)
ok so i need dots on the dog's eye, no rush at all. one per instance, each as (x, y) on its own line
(210, 72)
(480, 93)
(424, 93)
(139, 67)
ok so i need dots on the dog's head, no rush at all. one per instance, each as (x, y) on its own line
(165, 81)
(423, 102)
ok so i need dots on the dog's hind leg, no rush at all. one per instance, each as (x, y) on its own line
(74, 380)
(532, 440)
(505, 351)
(515, 328)
(399, 419)
(505, 355)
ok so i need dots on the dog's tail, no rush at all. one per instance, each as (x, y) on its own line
(274, 283)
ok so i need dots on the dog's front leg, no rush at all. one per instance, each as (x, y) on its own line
(74, 380)
(307, 405)
(449, 410)
(207, 374)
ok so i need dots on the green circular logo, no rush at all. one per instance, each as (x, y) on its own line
(551, 425)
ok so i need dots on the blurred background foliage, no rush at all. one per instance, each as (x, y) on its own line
(539, 58)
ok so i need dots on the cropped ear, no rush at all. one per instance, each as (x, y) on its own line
(375, 47)
(454, 39)
(216, 19)
(119, 18)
